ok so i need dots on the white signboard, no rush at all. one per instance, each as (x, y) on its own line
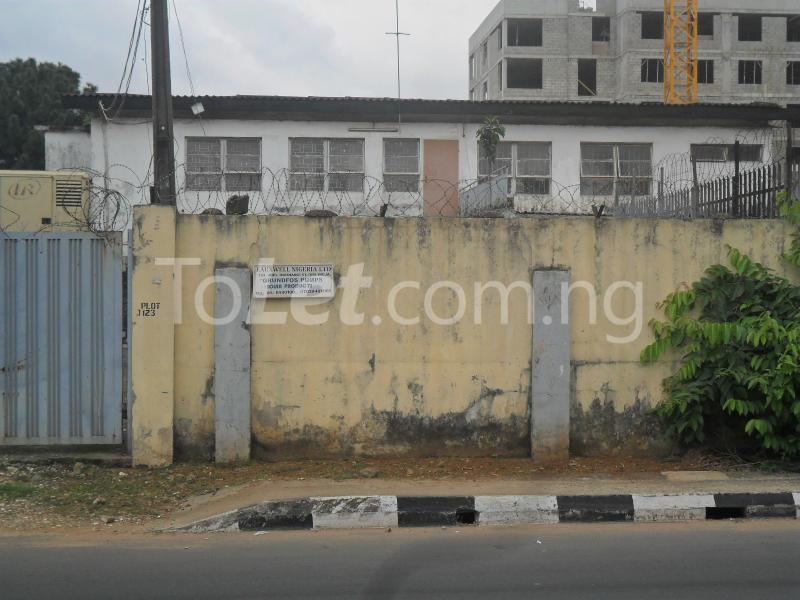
(293, 281)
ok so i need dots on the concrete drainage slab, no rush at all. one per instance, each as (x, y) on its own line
(358, 512)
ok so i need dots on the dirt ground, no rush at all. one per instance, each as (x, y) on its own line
(69, 496)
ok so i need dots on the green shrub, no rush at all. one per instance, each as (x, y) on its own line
(12, 490)
(738, 334)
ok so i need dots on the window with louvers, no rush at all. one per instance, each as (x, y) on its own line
(528, 164)
(223, 164)
(726, 152)
(346, 166)
(401, 165)
(624, 169)
(334, 165)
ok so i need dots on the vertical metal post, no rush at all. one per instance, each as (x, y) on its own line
(789, 157)
(736, 179)
(695, 190)
(128, 346)
(163, 148)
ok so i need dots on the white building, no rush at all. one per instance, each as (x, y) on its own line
(559, 49)
(357, 156)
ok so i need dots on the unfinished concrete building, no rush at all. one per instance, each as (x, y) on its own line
(569, 50)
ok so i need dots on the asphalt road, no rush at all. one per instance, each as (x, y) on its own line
(707, 560)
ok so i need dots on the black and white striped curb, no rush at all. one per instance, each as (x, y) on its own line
(358, 512)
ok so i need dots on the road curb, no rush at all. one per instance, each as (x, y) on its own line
(360, 512)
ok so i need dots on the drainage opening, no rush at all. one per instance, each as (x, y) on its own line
(720, 513)
(466, 517)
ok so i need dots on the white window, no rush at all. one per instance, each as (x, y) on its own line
(473, 70)
(334, 165)
(528, 164)
(223, 164)
(726, 152)
(401, 165)
(616, 169)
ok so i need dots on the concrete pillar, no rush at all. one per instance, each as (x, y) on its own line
(232, 365)
(152, 344)
(550, 389)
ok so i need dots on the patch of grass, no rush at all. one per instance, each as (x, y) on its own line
(12, 490)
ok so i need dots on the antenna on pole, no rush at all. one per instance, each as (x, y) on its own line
(397, 33)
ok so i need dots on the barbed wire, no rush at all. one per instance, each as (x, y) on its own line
(115, 190)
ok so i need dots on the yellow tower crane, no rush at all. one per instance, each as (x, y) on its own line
(680, 51)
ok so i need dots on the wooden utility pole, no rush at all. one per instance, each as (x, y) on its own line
(163, 148)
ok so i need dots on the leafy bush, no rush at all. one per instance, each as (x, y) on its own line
(738, 330)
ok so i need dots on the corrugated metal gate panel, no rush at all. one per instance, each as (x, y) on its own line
(61, 339)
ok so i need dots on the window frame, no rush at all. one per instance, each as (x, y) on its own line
(793, 72)
(473, 67)
(616, 180)
(326, 172)
(793, 28)
(727, 153)
(223, 165)
(757, 72)
(742, 29)
(646, 70)
(387, 175)
(537, 37)
(599, 32)
(658, 34)
(583, 89)
(706, 19)
(499, 31)
(514, 174)
(538, 61)
(707, 62)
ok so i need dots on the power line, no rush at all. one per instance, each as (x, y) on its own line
(183, 47)
(186, 61)
(130, 63)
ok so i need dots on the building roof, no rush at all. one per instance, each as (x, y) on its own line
(385, 110)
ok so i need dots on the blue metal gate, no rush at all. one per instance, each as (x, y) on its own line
(61, 339)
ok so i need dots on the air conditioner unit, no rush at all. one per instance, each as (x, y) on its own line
(32, 201)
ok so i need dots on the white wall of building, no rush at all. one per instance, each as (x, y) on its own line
(121, 153)
(66, 150)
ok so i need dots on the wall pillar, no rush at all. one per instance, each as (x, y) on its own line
(152, 344)
(550, 389)
(232, 365)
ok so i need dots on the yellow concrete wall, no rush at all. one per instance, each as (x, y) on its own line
(461, 389)
(153, 340)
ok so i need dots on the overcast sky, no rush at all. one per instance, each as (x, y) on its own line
(290, 47)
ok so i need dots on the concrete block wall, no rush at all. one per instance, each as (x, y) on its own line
(567, 35)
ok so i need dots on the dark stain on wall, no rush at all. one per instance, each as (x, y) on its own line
(191, 443)
(603, 430)
(309, 441)
(475, 431)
